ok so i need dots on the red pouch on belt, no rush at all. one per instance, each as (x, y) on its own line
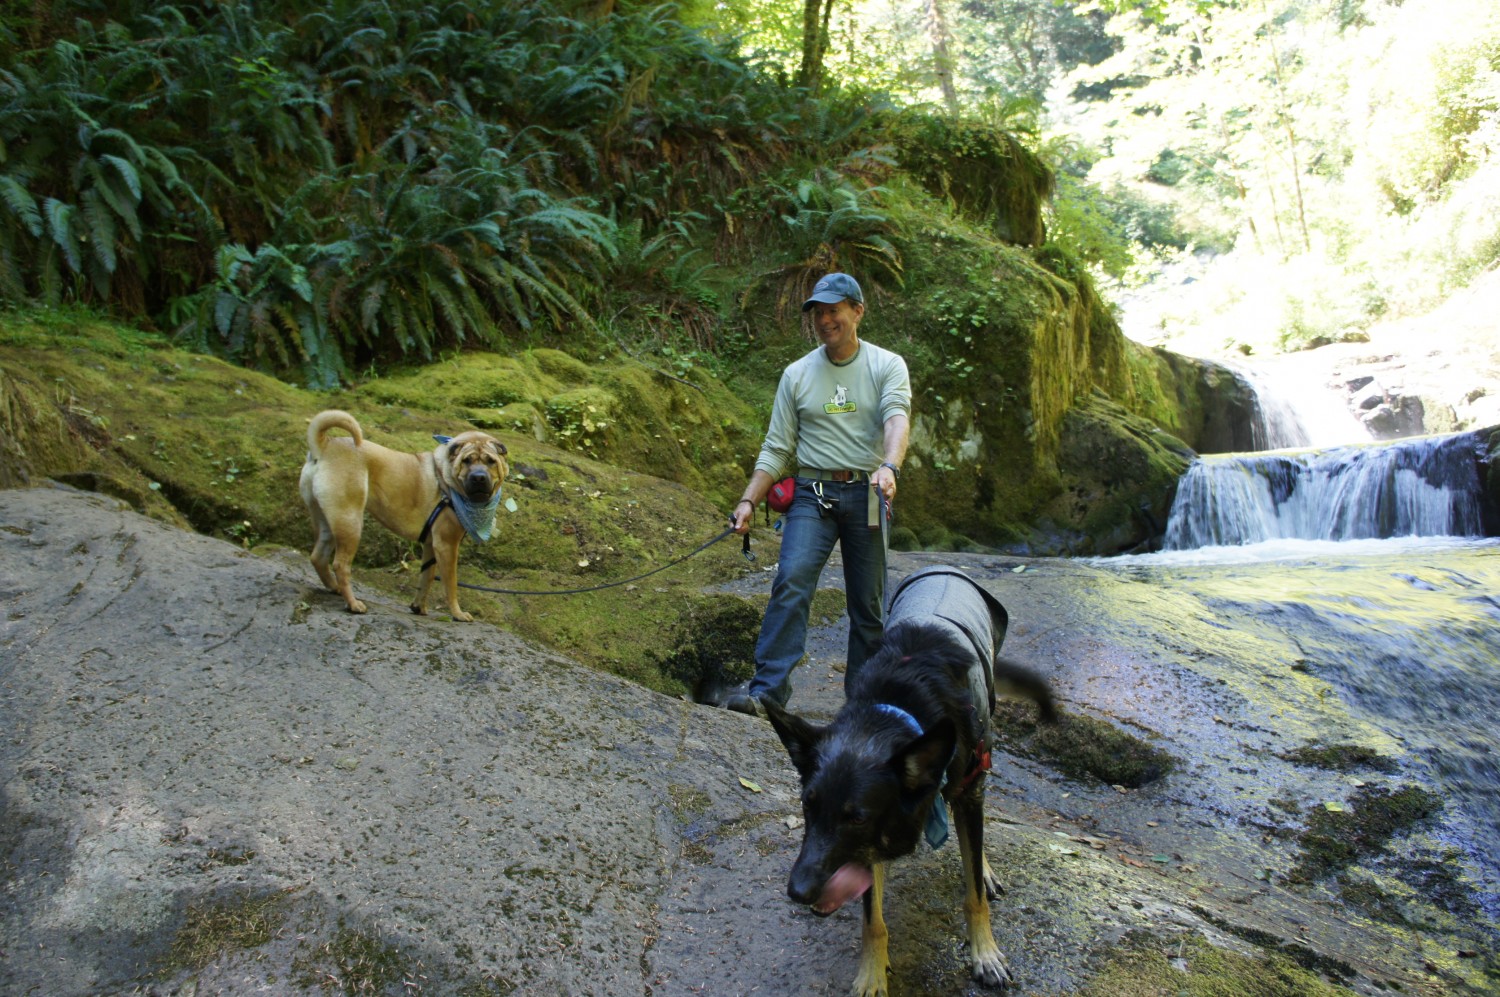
(779, 498)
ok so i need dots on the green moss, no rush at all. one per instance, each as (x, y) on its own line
(984, 171)
(562, 366)
(688, 802)
(197, 442)
(1337, 838)
(1374, 901)
(1080, 747)
(1339, 757)
(354, 963)
(1119, 475)
(904, 539)
(828, 606)
(1188, 966)
(713, 646)
(213, 928)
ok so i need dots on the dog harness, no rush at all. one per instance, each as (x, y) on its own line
(437, 510)
(477, 521)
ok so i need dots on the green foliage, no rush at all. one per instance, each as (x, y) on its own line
(314, 191)
(1356, 143)
(984, 171)
(665, 285)
(821, 221)
(1083, 228)
(86, 193)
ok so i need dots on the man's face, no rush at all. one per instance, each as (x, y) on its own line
(836, 325)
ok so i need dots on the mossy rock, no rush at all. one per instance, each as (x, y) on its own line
(219, 449)
(713, 646)
(1337, 836)
(1081, 747)
(1119, 476)
(904, 539)
(1339, 757)
(1146, 965)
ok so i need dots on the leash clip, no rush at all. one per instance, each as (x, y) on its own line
(745, 549)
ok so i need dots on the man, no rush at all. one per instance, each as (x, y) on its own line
(841, 419)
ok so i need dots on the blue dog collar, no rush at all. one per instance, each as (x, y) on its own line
(902, 715)
(936, 831)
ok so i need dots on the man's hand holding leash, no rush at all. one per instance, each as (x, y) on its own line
(884, 478)
(755, 492)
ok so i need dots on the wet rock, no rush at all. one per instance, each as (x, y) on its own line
(175, 818)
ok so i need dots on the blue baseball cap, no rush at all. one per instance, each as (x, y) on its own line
(835, 287)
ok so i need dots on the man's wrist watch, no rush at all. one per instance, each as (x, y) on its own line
(894, 469)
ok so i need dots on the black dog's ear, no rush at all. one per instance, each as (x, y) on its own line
(922, 764)
(799, 737)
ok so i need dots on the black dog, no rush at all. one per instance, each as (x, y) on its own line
(915, 726)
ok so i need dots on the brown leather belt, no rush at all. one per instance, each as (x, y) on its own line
(821, 474)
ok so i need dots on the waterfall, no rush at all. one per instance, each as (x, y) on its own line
(1426, 486)
(1296, 409)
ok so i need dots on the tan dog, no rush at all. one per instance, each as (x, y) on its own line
(345, 476)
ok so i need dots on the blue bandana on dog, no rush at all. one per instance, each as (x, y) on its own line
(478, 521)
(936, 831)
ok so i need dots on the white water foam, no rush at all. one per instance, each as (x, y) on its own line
(1427, 486)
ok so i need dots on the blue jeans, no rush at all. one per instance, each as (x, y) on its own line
(808, 536)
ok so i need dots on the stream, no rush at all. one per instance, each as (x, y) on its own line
(1391, 644)
(1320, 649)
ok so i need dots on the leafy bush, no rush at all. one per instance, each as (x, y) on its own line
(983, 170)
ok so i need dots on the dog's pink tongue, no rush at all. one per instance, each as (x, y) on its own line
(849, 882)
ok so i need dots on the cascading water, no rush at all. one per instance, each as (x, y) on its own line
(1297, 410)
(1427, 486)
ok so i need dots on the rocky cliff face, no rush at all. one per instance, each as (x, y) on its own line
(1038, 426)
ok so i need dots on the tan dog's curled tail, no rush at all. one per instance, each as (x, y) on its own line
(321, 423)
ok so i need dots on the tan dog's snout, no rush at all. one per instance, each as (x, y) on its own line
(477, 485)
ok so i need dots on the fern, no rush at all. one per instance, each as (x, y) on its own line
(60, 229)
(21, 204)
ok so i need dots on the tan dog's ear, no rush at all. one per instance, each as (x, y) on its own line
(500, 447)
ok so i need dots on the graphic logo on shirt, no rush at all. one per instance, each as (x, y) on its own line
(840, 402)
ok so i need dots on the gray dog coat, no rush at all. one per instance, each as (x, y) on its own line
(947, 598)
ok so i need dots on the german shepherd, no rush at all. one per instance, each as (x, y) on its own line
(913, 727)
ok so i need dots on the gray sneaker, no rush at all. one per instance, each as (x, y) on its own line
(741, 700)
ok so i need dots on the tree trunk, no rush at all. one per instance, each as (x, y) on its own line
(815, 18)
(1284, 113)
(942, 44)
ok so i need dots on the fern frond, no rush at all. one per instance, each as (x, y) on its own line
(21, 204)
(59, 217)
(99, 223)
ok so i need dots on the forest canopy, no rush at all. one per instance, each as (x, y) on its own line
(310, 189)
